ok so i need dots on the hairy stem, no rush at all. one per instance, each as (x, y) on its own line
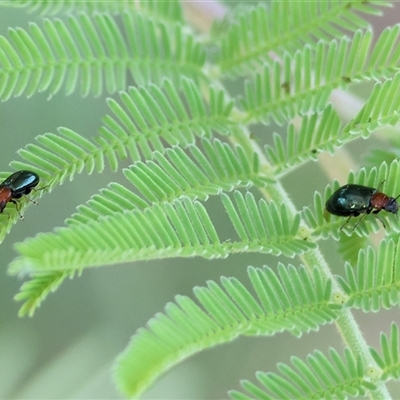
(346, 323)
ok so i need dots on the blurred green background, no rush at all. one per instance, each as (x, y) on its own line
(67, 349)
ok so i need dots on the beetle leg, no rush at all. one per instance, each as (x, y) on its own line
(347, 220)
(17, 207)
(358, 222)
(380, 219)
(33, 202)
(37, 189)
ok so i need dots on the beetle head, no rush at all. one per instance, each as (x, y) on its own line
(391, 205)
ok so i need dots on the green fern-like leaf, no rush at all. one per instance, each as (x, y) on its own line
(178, 229)
(286, 26)
(61, 156)
(378, 156)
(147, 115)
(165, 11)
(323, 131)
(301, 83)
(349, 246)
(318, 133)
(264, 227)
(374, 281)
(182, 229)
(93, 52)
(318, 377)
(167, 127)
(381, 107)
(209, 170)
(389, 360)
(166, 113)
(291, 300)
(33, 292)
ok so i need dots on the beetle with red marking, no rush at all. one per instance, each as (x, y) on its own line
(352, 200)
(18, 184)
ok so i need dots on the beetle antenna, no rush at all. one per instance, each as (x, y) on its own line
(381, 184)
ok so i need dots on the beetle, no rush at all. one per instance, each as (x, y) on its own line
(352, 200)
(18, 184)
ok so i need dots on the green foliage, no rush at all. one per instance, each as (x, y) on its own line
(93, 51)
(319, 376)
(173, 174)
(147, 115)
(382, 107)
(389, 361)
(349, 246)
(374, 281)
(175, 115)
(166, 11)
(302, 82)
(318, 132)
(185, 138)
(291, 300)
(37, 289)
(285, 27)
(181, 228)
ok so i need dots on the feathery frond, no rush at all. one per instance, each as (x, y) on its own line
(147, 115)
(374, 281)
(265, 227)
(290, 300)
(318, 377)
(165, 11)
(34, 291)
(316, 215)
(324, 132)
(381, 108)
(389, 361)
(58, 157)
(378, 156)
(296, 54)
(178, 229)
(285, 27)
(209, 170)
(301, 83)
(349, 246)
(95, 52)
(318, 133)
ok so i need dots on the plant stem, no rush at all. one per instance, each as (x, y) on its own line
(346, 323)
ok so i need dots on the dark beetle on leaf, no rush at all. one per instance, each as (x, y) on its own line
(18, 184)
(353, 200)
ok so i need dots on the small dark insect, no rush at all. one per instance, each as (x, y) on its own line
(286, 87)
(18, 184)
(353, 200)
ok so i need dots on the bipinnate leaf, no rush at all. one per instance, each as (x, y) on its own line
(294, 301)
